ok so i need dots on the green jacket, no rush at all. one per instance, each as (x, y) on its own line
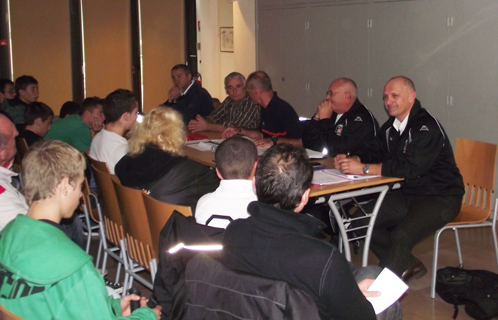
(73, 131)
(44, 275)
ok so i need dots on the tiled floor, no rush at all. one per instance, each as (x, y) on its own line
(478, 253)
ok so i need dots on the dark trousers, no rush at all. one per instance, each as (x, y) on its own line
(404, 220)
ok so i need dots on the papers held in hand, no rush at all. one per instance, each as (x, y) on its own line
(391, 288)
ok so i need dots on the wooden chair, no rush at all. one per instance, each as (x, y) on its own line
(90, 214)
(477, 163)
(22, 149)
(111, 225)
(158, 213)
(100, 165)
(7, 315)
(138, 243)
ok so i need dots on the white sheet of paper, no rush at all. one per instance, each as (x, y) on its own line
(337, 172)
(322, 178)
(391, 288)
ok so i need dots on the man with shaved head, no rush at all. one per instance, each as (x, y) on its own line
(12, 202)
(412, 145)
(341, 123)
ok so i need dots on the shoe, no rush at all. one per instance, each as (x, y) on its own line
(416, 271)
(118, 287)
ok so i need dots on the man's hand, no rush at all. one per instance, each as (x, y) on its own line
(125, 305)
(349, 166)
(265, 142)
(198, 124)
(324, 110)
(174, 93)
(97, 124)
(341, 156)
(229, 132)
(364, 285)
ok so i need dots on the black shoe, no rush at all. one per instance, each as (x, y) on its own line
(416, 271)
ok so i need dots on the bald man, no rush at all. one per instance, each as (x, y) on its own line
(412, 145)
(12, 202)
(341, 123)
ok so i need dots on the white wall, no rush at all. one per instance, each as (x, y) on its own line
(213, 64)
(244, 21)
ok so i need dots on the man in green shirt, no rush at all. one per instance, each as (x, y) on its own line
(75, 129)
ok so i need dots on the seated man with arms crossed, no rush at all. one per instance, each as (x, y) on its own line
(45, 275)
(120, 110)
(236, 160)
(237, 110)
(187, 97)
(279, 121)
(75, 129)
(277, 242)
(38, 118)
(341, 123)
(412, 145)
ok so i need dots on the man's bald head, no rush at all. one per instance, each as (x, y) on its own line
(8, 134)
(342, 94)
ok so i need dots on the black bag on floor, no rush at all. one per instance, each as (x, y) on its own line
(476, 289)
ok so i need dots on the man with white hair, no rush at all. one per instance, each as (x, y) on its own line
(237, 110)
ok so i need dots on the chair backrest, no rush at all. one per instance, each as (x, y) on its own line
(110, 206)
(85, 199)
(100, 165)
(135, 224)
(158, 213)
(22, 149)
(477, 163)
(7, 315)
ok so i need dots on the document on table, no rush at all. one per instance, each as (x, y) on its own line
(391, 288)
(209, 145)
(331, 176)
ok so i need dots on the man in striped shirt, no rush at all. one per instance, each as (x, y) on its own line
(237, 110)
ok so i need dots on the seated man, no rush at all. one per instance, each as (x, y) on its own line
(341, 123)
(277, 243)
(187, 97)
(279, 121)
(236, 160)
(12, 201)
(38, 117)
(26, 93)
(120, 110)
(412, 145)
(7, 90)
(237, 110)
(75, 129)
(57, 278)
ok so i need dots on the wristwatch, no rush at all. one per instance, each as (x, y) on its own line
(366, 169)
(274, 139)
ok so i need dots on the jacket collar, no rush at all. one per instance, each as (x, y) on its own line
(278, 221)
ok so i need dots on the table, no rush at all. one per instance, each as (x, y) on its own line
(339, 192)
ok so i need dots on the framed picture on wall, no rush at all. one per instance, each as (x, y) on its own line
(226, 39)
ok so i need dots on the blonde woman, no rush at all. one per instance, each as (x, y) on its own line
(155, 161)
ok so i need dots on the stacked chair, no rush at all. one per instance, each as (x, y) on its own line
(138, 241)
(111, 226)
(90, 214)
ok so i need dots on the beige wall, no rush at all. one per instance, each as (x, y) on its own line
(41, 47)
(163, 46)
(107, 39)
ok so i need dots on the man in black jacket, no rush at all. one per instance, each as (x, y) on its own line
(412, 145)
(277, 242)
(186, 96)
(341, 123)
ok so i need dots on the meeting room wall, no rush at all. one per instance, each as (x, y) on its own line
(41, 47)
(447, 47)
